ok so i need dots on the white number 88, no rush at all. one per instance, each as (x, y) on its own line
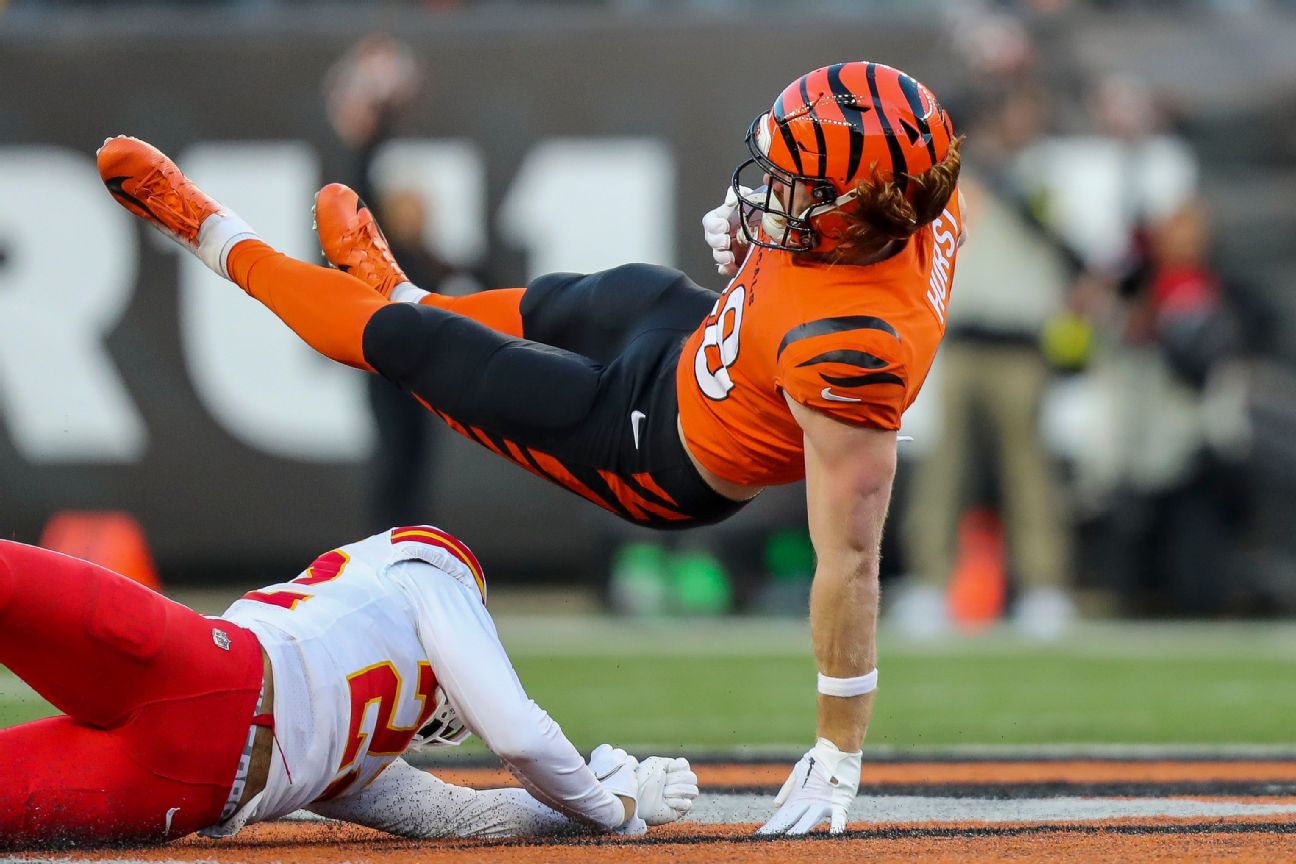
(720, 341)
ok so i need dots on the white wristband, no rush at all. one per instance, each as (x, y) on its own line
(856, 686)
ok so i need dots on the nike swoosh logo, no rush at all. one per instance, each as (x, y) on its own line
(610, 773)
(833, 397)
(117, 189)
(635, 417)
(170, 815)
(809, 771)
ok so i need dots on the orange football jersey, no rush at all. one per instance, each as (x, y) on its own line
(855, 342)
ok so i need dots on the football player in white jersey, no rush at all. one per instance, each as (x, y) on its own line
(302, 695)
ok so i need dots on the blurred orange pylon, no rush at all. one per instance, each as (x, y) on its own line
(109, 538)
(978, 585)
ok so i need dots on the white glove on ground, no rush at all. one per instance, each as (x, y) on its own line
(821, 786)
(614, 769)
(633, 827)
(721, 232)
(667, 789)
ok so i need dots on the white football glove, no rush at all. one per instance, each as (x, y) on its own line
(633, 827)
(614, 769)
(667, 789)
(721, 232)
(821, 786)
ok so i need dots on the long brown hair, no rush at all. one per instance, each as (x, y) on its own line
(882, 212)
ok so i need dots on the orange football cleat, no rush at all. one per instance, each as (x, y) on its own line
(352, 240)
(148, 184)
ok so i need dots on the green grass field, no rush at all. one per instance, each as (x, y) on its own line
(726, 684)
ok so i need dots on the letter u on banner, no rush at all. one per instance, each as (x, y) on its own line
(259, 381)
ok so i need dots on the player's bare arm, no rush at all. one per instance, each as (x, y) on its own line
(849, 473)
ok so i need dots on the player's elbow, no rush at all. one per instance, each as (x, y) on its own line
(865, 582)
(394, 341)
(859, 573)
(514, 746)
(853, 563)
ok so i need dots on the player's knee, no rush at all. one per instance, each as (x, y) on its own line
(648, 279)
(394, 340)
(628, 282)
(542, 288)
(126, 617)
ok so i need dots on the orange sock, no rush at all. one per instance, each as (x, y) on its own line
(326, 308)
(499, 309)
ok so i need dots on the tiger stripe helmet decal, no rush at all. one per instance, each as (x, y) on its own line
(833, 128)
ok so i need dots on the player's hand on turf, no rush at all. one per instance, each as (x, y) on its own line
(721, 232)
(821, 786)
(614, 769)
(667, 789)
(632, 827)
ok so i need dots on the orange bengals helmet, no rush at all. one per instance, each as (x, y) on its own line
(830, 129)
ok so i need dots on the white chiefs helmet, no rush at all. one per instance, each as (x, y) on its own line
(443, 729)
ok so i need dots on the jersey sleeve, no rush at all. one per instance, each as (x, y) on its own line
(459, 637)
(411, 803)
(855, 377)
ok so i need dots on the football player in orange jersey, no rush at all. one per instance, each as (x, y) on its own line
(642, 392)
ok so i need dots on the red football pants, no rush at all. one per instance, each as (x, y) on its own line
(157, 711)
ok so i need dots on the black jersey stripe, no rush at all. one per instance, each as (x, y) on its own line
(820, 143)
(499, 444)
(852, 114)
(603, 494)
(863, 359)
(898, 166)
(861, 380)
(910, 88)
(824, 326)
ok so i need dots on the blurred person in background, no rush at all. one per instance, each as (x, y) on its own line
(365, 93)
(1170, 479)
(1012, 280)
(1163, 405)
(1107, 182)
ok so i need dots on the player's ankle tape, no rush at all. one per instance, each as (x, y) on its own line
(218, 234)
(846, 687)
(407, 292)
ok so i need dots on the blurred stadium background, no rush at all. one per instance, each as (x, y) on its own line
(1107, 438)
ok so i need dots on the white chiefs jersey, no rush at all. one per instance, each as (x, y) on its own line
(353, 680)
